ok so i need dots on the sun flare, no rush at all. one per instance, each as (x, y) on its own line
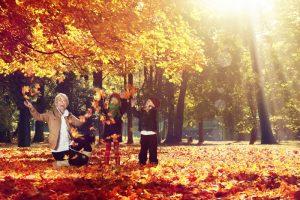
(238, 7)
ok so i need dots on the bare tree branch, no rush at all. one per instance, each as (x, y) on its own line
(45, 52)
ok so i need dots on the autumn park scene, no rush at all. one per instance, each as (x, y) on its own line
(149, 99)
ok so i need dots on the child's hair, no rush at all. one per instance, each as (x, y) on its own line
(61, 96)
(115, 95)
(155, 101)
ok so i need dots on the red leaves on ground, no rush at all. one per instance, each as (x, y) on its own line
(199, 172)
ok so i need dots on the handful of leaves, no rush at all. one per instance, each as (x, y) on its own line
(129, 92)
(31, 92)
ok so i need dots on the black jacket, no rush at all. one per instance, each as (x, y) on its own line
(147, 120)
(115, 128)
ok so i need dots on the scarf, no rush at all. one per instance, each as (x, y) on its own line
(114, 110)
(64, 137)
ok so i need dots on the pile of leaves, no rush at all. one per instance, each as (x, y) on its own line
(184, 172)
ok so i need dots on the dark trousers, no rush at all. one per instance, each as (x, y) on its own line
(75, 158)
(73, 155)
(148, 142)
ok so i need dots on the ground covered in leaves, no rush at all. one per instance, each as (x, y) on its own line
(185, 172)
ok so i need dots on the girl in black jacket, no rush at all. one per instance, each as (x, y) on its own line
(148, 127)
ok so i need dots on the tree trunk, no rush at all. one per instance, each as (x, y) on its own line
(229, 127)
(129, 115)
(24, 127)
(253, 135)
(171, 112)
(98, 79)
(158, 83)
(146, 74)
(39, 125)
(16, 82)
(66, 87)
(267, 136)
(201, 132)
(178, 126)
(5, 136)
(151, 80)
(98, 83)
(253, 111)
(125, 81)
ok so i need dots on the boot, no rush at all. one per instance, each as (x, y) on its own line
(106, 160)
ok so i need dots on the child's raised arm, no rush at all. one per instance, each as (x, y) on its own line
(35, 114)
(124, 103)
(103, 108)
(135, 112)
(75, 121)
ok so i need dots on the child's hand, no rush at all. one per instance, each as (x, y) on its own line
(102, 93)
(28, 104)
(106, 105)
(88, 113)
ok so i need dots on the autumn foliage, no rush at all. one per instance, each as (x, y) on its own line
(49, 38)
(206, 172)
(194, 59)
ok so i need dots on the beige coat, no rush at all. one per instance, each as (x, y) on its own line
(53, 118)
